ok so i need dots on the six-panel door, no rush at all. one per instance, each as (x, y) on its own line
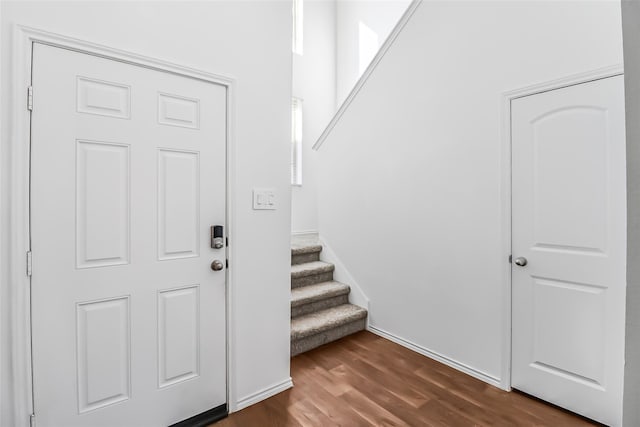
(127, 176)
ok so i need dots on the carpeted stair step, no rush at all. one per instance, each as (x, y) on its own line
(303, 253)
(311, 273)
(311, 298)
(315, 329)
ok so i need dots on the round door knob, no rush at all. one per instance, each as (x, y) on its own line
(521, 261)
(217, 265)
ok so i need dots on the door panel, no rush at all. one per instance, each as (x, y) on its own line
(104, 353)
(103, 98)
(570, 208)
(178, 332)
(128, 317)
(178, 204)
(569, 222)
(583, 359)
(175, 110)
(103, 208)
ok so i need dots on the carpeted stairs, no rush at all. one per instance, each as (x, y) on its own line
(320, 309)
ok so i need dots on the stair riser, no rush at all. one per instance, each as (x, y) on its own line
(313, 341)
(302, 258)
(312, 279)
(312, 307)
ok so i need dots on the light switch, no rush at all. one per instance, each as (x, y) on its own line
(264, 199)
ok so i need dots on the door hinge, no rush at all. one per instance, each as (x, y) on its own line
(30, 98)
(226, 263)
(29, 264)
(510, 256)
(226, 239)
(32, 420)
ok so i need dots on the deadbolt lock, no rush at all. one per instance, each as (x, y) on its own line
(217, 238)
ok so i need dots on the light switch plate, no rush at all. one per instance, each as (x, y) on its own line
(264, 199)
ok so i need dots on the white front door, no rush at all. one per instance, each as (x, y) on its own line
(569, 224)
(127, 176)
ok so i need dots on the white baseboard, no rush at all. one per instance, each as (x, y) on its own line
(305, 233)
(438, 357)
(263, 394)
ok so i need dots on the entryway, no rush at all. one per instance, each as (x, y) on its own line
(364, 380)
(569, 247)
(128, 174)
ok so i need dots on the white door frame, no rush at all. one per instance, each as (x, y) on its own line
(507, 97)
(19, 236)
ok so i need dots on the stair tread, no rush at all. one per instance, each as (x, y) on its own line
(299, 249)
(324, 320)
(310, 268)
(319, 291)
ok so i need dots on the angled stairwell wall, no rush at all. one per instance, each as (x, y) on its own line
(412, 184)
(341, 274)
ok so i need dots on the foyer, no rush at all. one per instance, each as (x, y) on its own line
(365, 380)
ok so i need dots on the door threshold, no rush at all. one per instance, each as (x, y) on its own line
(205, 418)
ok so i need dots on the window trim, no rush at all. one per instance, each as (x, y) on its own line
(297, 39)
(296, 142)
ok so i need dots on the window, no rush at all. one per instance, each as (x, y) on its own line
(296, 141)
(297, 27)
(368, 46)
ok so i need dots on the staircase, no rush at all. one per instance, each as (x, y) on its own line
(320, 309)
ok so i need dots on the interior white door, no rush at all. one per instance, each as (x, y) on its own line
(127, 176)
(569, 223)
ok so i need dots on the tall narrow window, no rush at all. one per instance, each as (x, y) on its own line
(296, 141)
(297, 27)
(368, 46)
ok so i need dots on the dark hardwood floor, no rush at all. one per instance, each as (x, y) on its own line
(365, 380)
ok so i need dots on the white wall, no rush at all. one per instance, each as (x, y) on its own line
(323, 77)
(410, 196)
(314, 82)
(250, 41)
(380, 16)
(631, 29)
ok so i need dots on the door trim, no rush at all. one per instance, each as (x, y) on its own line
(505, 191)
(21, 385)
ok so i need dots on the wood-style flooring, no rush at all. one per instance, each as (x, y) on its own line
(366, 380)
